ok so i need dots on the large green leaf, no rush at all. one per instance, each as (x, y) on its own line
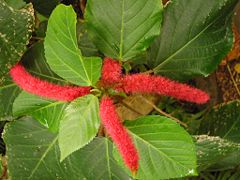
(97, 162)
(195, 37)
(8, 93)
(16, 4)
(15, 32)
(79, 125)
(213, 149)
(223, 121)
(231, 161)
(121, 29)
(33, 153)
(166, 150)
(48, 112)
(62, 52)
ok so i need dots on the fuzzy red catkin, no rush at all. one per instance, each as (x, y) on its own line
(111, 71)
(143, 83)
(43, 88)
(118, 133)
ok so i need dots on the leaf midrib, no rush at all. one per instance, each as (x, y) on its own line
(48, 106)
(233, 125)
(76, 46)
(108, 160)
(7, 86)
(122, 31)
(43, 156)
(47, 76)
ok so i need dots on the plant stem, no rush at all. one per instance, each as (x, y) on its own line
(164, 113)
(148, 72)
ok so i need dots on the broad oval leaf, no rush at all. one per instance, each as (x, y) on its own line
(16, 4)
(166, 150)
(48, 112)
(62, 52)
(15, 32)
(121, 29)
(213, 149)
(79, 124)
(97, 162)
(33, 153)
(223, 121)
(195, 37)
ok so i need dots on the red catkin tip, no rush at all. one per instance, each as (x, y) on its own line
(43, 88)
(143, 83)
(111, 71)
(118, 133)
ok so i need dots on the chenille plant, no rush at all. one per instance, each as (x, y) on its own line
(66, 105)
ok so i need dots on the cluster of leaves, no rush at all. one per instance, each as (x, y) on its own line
(186, 38)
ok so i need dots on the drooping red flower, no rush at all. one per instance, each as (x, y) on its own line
(111, 71)
(143, 83)
(43, 88)
(118, 133)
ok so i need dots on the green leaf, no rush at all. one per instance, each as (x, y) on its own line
(33, 153)
(34, 61)
(8, 92)
(213, 149)
(196, 35)
(229, 162)
(223, 121)
(166, 150)
(1, 166)
(79, 125)
(47, 112)
(121, 29)
(97, 162)
(62, 52)
(15, 32)
(85, 44)
(16, 4)
(232, 174)
(42, 28)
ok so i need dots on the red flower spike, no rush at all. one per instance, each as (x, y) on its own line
(143, 83)
(118, 133)
(43, 88)
(111, 71)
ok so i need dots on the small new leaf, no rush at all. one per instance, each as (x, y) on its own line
(62, 52)
(79, 125)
